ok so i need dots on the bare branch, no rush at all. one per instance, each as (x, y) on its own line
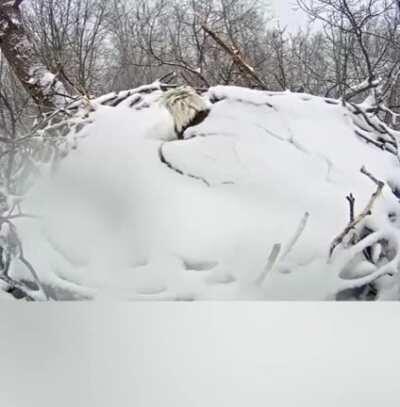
(366, 212)
(235, 54)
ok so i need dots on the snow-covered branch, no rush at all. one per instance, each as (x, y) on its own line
(44, 87)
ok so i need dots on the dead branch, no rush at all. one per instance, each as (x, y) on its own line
(366, 212)
(236, 56)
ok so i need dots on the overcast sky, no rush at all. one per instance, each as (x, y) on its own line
(288, 13)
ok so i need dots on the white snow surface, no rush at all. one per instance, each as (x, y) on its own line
(115, 222)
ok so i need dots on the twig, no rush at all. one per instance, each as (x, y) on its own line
(296, 237)
(366, 212)
(381, 146)
(273, 257)
(351, 200)
(167, 78)
(375, 180)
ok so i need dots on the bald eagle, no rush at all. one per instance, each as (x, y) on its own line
(186, 107)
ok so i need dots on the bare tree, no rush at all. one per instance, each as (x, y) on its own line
(44, 87)
(152, 38)
(363, 37)
(71, 38)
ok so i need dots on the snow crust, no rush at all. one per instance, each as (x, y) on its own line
(118, 222)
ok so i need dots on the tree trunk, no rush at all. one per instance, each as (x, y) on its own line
(44, 87)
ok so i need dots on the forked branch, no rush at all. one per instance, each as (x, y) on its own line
(366, 212)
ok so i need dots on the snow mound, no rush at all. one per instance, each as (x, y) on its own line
(133, 213)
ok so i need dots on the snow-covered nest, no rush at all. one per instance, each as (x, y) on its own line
(245, 207)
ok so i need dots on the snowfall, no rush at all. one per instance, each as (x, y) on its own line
(245, 207)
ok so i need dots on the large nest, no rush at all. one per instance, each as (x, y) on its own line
(246, 205)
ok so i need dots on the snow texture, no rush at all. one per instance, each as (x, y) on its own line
(135, 214)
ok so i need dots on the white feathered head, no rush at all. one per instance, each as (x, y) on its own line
(186, 107)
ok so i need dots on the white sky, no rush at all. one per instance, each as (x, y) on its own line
(288, 13)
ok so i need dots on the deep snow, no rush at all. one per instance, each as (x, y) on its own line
(115, 221)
